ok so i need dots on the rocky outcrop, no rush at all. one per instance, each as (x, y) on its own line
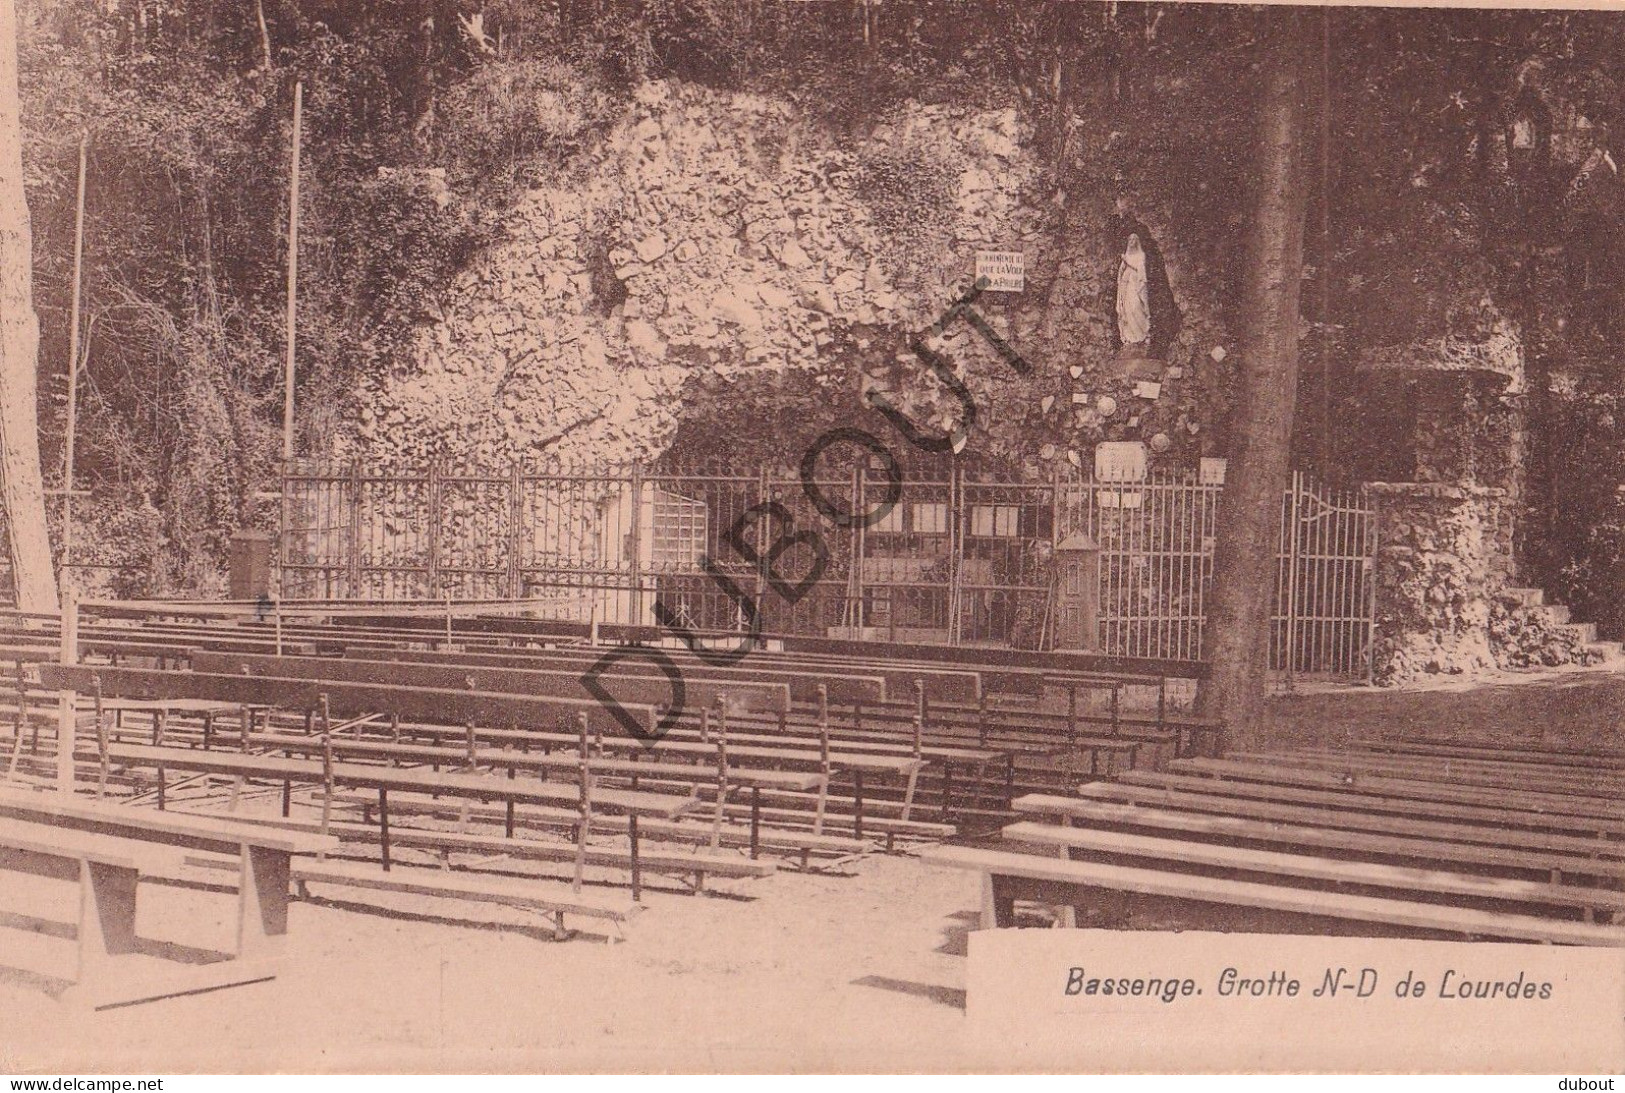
(724, 233)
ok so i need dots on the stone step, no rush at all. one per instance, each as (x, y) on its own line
(1586, 631)
(1557, 613)
(1612, 653)
(1529, 597)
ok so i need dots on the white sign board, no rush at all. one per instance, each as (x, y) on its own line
(1005, 270)
(1120, 461)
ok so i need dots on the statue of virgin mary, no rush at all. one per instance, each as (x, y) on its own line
(1138, 304)
(1133, 299)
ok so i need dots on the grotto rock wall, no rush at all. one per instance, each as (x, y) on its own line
(715, 234)
(1437, 576)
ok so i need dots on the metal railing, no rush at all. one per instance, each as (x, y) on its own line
(959, 559)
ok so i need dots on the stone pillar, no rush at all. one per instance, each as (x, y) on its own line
(1439, 562)
(1469, 430)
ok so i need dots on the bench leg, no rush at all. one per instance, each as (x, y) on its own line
(262, 902)
(1066, 914)
(998, 908)
(106, 917)
(823, 800)
(383, 826)
(857, 804)
(908, 793)
(755, 820)
(637, 868)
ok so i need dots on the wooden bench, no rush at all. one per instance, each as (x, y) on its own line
(1209, 796)
(107, 869)
(108, 848)
(803, 844)
(638, 690)
(855, 714)
(942, 682)
(1600, 797)
(855, 763)
(698, 866)
(1451, 771)
(1008, 877)
(1445, 772)
(1557, 758)
(792, 811)
(752, 779)
(552, 899)
(1137, 817)
(843, 686)
(431, 704)
(1177, 852)
(383, 779)
(1376, 796)
(445, 843)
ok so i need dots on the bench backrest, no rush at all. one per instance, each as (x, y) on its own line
(844, 688)
(427, 704)
(560, 683)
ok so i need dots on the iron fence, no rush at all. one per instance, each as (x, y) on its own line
(959, 558)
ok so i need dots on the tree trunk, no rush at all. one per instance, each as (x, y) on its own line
(265, 35)
(1244, 565)
(21, 491)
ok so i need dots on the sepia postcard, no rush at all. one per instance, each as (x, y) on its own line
(810, 536)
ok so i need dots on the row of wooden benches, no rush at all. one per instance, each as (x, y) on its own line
(964, 684)
(1445, 839)
(983, 776)
(393, 763)
(1083, 722)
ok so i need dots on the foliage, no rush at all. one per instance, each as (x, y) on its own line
(424, 119)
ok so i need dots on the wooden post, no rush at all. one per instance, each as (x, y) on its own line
(22, 720)
(101, 744)
(73, 365)
(584, 822)
(919, 714)
(353, 562)
(432, 489)
(293, 275)
(823, 757)
(516, 516)
(327, 763)
(66, 724)
(636, 538)
(722, 775)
